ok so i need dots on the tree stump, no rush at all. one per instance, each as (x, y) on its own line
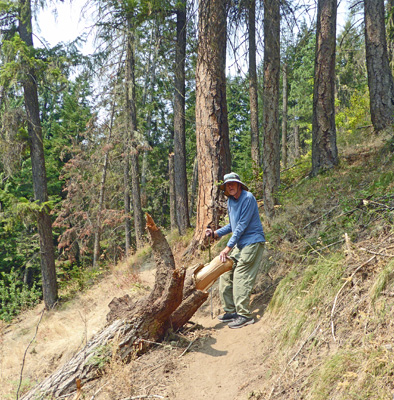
(132, 325)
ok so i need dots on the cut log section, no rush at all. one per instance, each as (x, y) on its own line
(207, 274)
(133, 325)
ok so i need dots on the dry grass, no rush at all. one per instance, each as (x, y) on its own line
(63, 331)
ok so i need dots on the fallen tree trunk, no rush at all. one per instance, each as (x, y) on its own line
(175, 297)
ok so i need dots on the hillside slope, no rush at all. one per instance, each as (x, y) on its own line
(324, 311)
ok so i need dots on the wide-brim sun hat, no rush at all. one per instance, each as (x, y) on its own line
(231, 177)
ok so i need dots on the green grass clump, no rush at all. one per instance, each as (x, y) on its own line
(303, 294)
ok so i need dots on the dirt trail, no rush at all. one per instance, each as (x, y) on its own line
(222, 366)
(228, 363)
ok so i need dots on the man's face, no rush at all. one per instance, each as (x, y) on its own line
(233, 189)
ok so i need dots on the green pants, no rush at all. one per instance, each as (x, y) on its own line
(235, 286)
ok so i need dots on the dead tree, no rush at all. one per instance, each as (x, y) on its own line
(132, 325)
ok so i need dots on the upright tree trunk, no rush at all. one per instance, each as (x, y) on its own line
(136, 198)
(284, 117)
(126, 196)
(193, 190)
(213, 149)
(144, 172)
(390, 33)
(148, 98)
(324, 145)
(173, 205)
(297, 147)
(132, 119)
(97, 234)
(179, 122)
(380, 78)
(271, 145)
(253, 95)
(44, 223)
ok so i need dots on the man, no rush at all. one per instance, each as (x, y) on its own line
(246, 245)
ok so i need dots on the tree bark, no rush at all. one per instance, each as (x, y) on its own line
(173, 208)
(297, 147)
(253, 95)
(324, 145)
(212, 133)
(284, 117)
(44, 223)
(271, 145)
(179, 122)
(148, 97)
(380, 78)
(132, 119)
(173, 300)
(126, 196)
(193, 190)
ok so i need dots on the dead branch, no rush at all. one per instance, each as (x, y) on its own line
(188, 347)
(322, 216)
(326, 247)
(377, 254)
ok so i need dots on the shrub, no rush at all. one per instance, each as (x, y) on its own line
(15, 296)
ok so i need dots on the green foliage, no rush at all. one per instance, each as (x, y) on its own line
(351, 71)
(101, 357)
(350, 119)
(65, 111)
(352, 87)
(239, 126)
(301, 61)
(18, 236)
(73, 278)
(303, 167)
(15, 296)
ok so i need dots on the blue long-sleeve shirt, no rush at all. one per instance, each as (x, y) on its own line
(245, 223)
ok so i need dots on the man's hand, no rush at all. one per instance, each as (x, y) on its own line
(224, 254)
(210, 232)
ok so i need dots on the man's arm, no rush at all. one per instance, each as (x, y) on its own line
(224, 231)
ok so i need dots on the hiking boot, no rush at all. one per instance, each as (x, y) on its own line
(227, 317)
(240, 321)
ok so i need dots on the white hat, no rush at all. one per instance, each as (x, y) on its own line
(231, 177)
